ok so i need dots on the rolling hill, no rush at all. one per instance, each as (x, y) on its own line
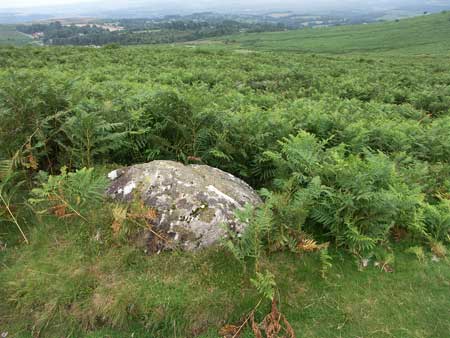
(428, 34)
(10, 36)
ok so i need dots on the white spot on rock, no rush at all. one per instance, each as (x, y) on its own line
(129, 188)
(113, 175)
(213, 189)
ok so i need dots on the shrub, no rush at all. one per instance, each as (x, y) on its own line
(356, 200)
(69, 194)
(437, 219)
(89, 137)
(31, 106)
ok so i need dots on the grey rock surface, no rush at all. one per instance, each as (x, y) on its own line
(192, 202)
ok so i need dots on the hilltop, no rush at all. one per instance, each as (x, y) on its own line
(170, 28)
(428, 34)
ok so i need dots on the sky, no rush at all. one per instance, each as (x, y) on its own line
(205, 3)
(38, 3)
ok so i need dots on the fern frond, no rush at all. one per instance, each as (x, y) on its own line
(6, 167)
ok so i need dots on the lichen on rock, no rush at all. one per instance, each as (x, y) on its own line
(193, 202)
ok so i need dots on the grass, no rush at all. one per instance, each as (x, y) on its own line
(420, 35)
(10, 36)
(75, 280)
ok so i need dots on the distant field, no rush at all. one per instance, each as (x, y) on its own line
(421, 35)
(9, 36)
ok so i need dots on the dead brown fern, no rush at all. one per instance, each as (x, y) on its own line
(274, 325)
(308, 244)
(399, 233)
(119, 217)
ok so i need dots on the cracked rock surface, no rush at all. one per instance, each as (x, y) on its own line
(192, 202)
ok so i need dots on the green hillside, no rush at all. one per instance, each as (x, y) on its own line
(420, 35)
(10, 36)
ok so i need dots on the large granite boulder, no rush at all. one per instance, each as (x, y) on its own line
(192, 203)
